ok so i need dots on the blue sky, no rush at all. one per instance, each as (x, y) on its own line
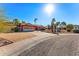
(28, 11)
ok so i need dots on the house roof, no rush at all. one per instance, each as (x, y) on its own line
(76, 25)
(29, 24)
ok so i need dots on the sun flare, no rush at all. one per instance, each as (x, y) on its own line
(49, 9)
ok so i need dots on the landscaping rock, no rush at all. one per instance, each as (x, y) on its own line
(4, 42)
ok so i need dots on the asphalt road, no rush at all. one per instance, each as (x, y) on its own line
(62, 45)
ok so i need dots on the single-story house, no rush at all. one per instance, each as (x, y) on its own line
(76, 27)
(29, 27)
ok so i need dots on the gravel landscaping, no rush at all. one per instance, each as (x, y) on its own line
(14, 37)
(8, 38)
(4, 42)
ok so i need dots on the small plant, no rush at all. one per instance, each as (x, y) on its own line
(16, 29)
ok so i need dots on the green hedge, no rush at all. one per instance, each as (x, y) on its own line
(76, 31)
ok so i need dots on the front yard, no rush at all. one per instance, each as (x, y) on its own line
(14, 37)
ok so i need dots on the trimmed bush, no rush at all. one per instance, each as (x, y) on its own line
(16, 29)
(76, 31)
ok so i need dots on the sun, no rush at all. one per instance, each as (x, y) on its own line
(49, 9)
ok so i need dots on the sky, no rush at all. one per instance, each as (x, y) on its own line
(68, 12)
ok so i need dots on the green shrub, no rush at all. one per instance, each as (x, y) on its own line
(76, 31)
(16, 29)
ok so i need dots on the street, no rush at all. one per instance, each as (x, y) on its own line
(61, 45)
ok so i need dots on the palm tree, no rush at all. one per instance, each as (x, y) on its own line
(35, 20)
(63, 25)
(23, 22)
(57, 23)
(16, 21)
(53, 25)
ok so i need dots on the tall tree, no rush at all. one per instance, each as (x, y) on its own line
(23, 22)
(63, 23)
(16, 21)
(35, 20)
(53, 25)
(3, 21)
(57, 23)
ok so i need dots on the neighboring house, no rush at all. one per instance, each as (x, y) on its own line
(29, 27)
(61, 28)
(76, 27)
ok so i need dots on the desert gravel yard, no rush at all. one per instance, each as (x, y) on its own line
(14, 37)
(4, 42)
